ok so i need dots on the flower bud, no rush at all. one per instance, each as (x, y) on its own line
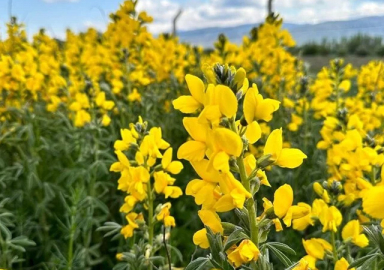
(265, 161)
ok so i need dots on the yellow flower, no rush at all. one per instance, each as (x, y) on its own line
(127, 230)
(373, 204)
(134, 96)
(235, 194)
(194, 150)
(190, 104)
(119, 257)
(331, 218)
(220, 101)
(165, 215)
(246, 252)
(352, 231)
(173, 167)
(342, 264)
(212, 220)
(320, 191)
(127, 140)
(256, 107)
(225, 143)
(283, 199)
(316, 247)
(306, 263)
(287, 157)
(200, 239)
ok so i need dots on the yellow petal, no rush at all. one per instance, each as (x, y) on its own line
(283, 199)
(200, 239)
(227, 102)
(253, 132)
(175, 167)
(196, 87)
(186, 104)
(192, 151)
(167, 158)
(290, 158)
(224, 204)
(373, 203)
(250, 103)
(221, 162)
(274, 144)
(195, 129)
(228, 141)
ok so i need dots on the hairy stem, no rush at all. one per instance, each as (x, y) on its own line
(334, 251)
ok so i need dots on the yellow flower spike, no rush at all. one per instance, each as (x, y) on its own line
(283, 199)
(352, 231)
(200, 239)
(246, 252)
(343, 264)
(287, 157)
(373, 204)
(257, 108)
(173, 167)
(190, 104)
(212, 220)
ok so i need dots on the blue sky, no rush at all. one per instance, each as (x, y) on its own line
(57, 15)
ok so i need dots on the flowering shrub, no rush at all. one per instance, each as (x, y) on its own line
(282, 169)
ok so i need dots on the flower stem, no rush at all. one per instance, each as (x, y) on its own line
(334, 251)
(150, 221)
(250, 204)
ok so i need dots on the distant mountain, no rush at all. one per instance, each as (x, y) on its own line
(302, 33)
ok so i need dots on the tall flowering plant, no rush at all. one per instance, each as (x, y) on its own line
(146, 167)
(223, 124)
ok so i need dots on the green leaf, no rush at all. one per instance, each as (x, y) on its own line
(234, 238)
(283, 247)
(229, 228)
(280, 255)
(215, 244)
(199, 264)
(374, 234)
(359, 262)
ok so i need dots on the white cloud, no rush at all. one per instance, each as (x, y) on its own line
(99, 25)
(215, 13)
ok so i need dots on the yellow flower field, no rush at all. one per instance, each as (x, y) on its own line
(122, 150)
